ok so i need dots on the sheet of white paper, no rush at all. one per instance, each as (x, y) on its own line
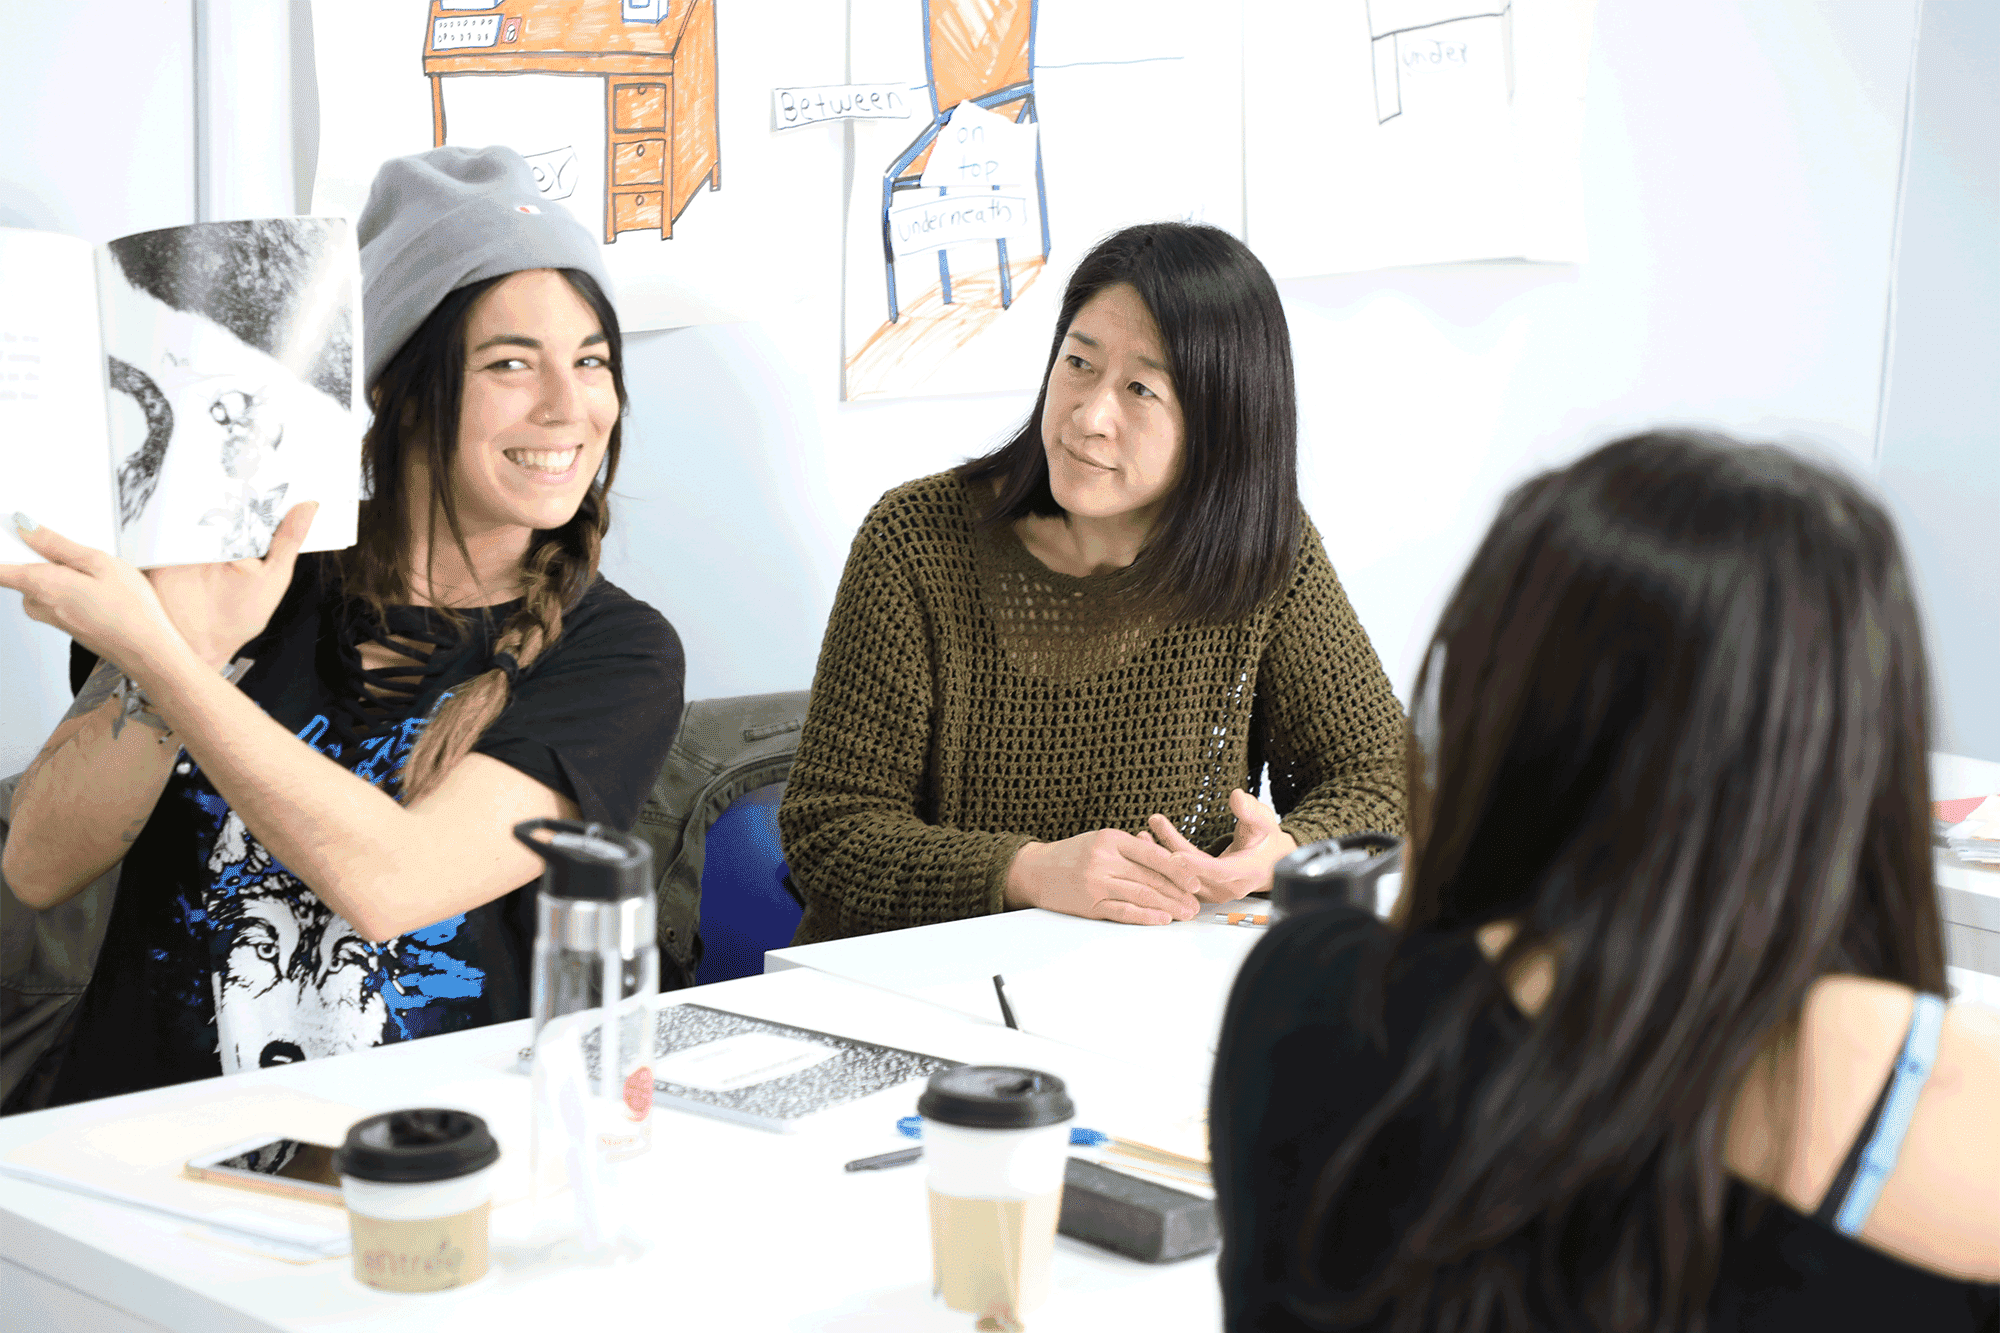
(1160, 997)
(977, 147)
(716, 219)
(922, 222)
(741, 1061)
(55, 454)
(1414, 132)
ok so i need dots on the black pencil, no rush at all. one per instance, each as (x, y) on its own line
(1006, 1010)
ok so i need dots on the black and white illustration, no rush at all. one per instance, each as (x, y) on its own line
(231, 357)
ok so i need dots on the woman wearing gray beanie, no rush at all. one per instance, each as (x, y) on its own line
(316, 846)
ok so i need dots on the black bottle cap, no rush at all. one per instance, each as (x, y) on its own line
(1336, 870)
(995, 1097)
(416, 1147)
(589, 861)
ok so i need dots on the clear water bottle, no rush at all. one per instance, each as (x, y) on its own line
(595, 950)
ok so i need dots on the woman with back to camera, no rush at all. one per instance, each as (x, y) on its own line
(1051, 674)
(1658, 1042)
(318, 854)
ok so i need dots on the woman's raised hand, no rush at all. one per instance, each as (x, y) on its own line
(131, 617)
(1106, 874)
(1245, 866)
(220, 607)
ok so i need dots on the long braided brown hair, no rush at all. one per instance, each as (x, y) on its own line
(416, 401)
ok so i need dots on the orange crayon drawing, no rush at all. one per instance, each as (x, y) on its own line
(979, 53)
(656, 61)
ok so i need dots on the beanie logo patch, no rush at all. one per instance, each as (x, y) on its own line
(526, 208)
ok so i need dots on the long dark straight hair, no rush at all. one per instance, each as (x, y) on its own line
(417, 399)
(1673, 722)
(1229, 530)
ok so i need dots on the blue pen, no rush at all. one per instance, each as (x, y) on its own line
(912, 1126)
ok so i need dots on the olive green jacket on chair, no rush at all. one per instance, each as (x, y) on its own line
(725, 748)
(46, 959)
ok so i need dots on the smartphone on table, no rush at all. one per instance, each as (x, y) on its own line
(294, 1168)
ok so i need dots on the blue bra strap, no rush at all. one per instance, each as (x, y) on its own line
(1878, 1159)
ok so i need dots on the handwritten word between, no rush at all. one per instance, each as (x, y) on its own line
(793, 107)
(932, 224)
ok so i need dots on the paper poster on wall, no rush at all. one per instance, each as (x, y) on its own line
(1383, 133)
(1041, 127)
(649, 120)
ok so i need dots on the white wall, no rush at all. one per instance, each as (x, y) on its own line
(1940, 446)
(1741, 164)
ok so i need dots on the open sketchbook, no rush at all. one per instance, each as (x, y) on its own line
(169, 395)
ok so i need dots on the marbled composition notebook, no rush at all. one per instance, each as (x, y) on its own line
(770, 1075)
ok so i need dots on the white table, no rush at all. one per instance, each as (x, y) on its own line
(755, 1230)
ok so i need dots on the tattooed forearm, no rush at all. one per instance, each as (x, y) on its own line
(102, 684)
(40, 761)
(133, 707)
(101, 687)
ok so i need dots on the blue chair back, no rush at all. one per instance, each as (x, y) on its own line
(746, 906)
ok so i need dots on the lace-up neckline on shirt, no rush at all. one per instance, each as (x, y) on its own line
(418, 644)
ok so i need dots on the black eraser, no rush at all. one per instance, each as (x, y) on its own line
(1135, 1217)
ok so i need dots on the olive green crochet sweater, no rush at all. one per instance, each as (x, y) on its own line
(970, 700)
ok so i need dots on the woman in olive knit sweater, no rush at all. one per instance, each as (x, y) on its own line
(1052, 675)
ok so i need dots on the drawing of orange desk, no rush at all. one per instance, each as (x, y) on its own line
(659, 134)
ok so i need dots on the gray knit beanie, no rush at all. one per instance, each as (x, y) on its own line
(446, 219)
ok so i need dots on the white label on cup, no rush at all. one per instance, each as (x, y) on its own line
(742, 1061)
(972, 1163)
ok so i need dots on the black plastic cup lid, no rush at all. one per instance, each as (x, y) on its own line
(995, 1097)
(416, 1147)
(592, 861)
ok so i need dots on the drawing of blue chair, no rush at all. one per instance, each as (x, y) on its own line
(982, 52)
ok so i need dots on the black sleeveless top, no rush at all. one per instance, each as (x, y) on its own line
(1295, 1073)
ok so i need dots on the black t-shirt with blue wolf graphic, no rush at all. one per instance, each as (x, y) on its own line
(217, 959)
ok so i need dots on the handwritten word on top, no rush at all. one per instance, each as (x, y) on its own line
(793, 107)
(978, 147)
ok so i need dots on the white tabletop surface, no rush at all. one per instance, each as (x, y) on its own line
(752, 1230)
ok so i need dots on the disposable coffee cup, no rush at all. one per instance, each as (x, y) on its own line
(419, 1191)
(996, 1140)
